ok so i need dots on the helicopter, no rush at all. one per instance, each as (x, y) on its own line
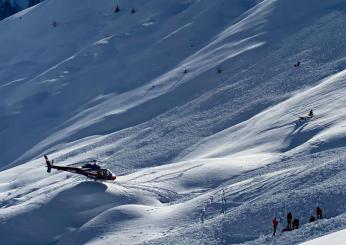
(89, 169)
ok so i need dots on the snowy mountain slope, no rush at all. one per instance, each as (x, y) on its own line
(335, 238)
(156, 83)
(186, 145)
(93, 60)
(267, 131)
(10, 7)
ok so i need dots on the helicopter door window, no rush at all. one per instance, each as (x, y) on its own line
(104, 173)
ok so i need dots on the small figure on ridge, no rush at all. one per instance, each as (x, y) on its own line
(117, 9)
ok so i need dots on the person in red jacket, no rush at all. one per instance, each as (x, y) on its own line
(275, 225)
(319, 213)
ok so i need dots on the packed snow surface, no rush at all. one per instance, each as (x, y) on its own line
(334, 238)
(193, 104)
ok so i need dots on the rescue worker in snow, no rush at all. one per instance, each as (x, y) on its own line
(312, 219)
(319, 213)
(311, 113)
(295, 224)
(275, 225)
(289, 221)
(117, 9)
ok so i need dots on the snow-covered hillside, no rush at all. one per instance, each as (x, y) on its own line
(10, 7)
(194, 104)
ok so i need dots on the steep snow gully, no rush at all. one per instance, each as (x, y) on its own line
(194, 104)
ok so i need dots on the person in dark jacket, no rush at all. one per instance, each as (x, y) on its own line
(295, 224)
(312, 219)
(117, 9)
(289, 221)
(319, 213)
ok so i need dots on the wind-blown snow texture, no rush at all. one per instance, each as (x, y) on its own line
(219, 143)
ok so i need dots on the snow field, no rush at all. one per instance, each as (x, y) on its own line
(202, 157)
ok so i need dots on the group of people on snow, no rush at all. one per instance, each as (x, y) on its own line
(293, 224)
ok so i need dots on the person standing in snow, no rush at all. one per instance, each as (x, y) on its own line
(117, 9)
(133, 11)
(289, 221)
(311, 113)
(275, 225)
(319, 213)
